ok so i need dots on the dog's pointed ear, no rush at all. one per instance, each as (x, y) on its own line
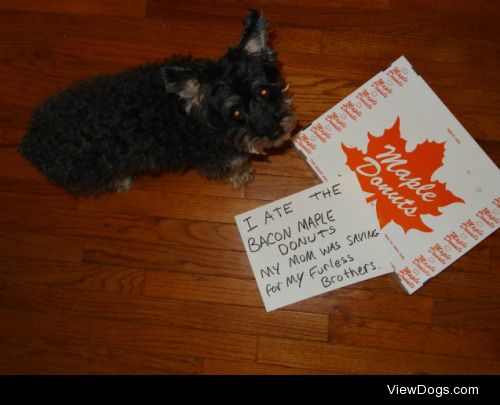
(182, 81)
(254, 37)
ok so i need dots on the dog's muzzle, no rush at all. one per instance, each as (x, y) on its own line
(258, 145)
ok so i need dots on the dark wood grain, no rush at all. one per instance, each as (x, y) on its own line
(156, 280)
(340, 358)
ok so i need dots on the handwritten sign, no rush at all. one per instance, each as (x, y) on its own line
(315, 241)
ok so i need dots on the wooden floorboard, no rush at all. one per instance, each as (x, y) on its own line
(156, 280)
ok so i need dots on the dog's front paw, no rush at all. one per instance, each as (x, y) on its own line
(241, 177)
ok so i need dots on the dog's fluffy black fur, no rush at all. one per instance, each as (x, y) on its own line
(181, 113)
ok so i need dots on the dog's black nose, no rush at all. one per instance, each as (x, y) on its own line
(275, 133)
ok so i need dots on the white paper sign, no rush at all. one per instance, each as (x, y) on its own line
(315, 241)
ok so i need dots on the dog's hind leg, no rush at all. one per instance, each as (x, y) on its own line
(119, 186)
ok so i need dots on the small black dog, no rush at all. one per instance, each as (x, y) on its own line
(181, 113)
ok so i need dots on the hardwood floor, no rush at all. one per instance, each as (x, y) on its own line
(156, 280)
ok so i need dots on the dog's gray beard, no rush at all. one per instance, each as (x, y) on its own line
(258, 145)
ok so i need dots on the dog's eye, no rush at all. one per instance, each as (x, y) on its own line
(237, 114)
(264, 91)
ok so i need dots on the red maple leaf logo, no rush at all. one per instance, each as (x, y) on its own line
(400, 181)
